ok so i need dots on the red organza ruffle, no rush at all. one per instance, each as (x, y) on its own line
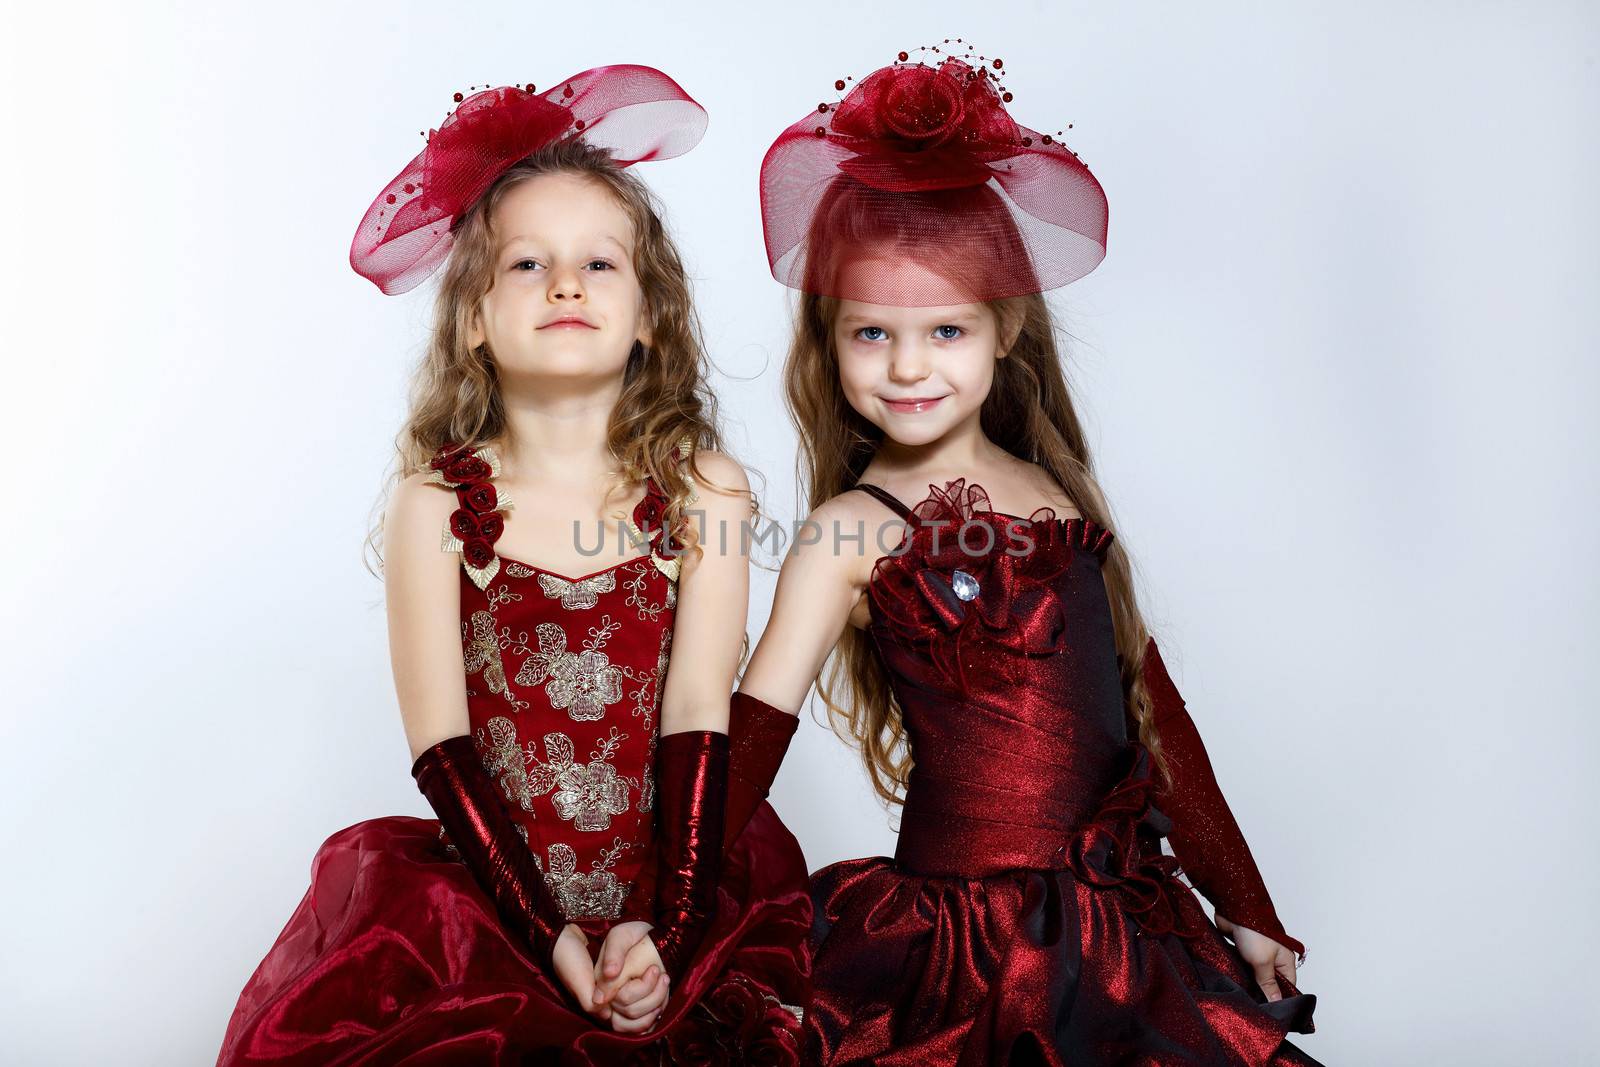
(634, 112)
(1013, 563)
(924, 165)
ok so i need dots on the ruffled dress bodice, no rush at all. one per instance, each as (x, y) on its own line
(1004, 663)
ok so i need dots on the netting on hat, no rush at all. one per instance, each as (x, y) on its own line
(636, 113)
(924, 162)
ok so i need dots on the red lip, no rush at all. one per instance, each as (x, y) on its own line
(569, 322)
(912, 403)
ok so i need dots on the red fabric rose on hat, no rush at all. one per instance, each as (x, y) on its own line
(914, 128)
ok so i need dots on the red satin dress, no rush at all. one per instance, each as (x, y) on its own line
(1028, 916)
(396, 956)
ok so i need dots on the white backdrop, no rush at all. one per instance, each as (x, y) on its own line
(1338, 367)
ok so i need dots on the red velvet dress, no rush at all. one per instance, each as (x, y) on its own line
(1028, 915)
(396, 956)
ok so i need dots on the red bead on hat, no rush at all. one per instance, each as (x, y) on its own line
(637, 113)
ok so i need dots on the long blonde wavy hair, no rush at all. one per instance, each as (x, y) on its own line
(455, 393)
(1028, 412)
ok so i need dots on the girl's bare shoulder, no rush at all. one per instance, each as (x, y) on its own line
(851, 525)
(717, 471)
(418, 510)
(1028, 487)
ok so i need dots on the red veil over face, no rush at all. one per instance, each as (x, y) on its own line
(636, 113)
(925, 162)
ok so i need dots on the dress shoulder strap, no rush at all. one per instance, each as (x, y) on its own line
(886, 498)
(478, 521)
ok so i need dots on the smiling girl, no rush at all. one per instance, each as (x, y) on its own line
(563, 666)
(988, 653)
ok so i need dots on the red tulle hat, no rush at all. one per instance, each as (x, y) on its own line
(919, 189)
(636, 113)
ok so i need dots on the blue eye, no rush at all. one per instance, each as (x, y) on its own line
(871, 333)
(602, 264)
(948, 333)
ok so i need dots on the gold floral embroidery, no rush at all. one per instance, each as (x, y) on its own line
(502, 594)
(581, 682)
(518, 570)
(482, 653)
(639, 598)
(587, 794)
(595, 895)
(647, 694)
(663, 657)
(647, 791)
(503, 759)
(579, 595)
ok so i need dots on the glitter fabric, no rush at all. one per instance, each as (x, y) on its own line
(1028, 914)
(758, 736)
(1205, 837)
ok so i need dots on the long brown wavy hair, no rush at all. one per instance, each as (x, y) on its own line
(455, 393)
(1028, 412)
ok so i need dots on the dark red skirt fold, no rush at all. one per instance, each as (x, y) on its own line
(1027, 967)
(395, 956)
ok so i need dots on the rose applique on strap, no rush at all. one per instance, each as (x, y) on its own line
(648, 524)
(479, 520)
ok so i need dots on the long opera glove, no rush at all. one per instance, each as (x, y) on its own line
(691, 799)
(1205, 838)
(451, 776)
(758, 739)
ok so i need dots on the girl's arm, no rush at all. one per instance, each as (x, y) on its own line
(423, 597)
(713, 599)
(816, 591)
(813, 600)
(422, 588)
(1205, 837)
(817, 588)
(692, 752)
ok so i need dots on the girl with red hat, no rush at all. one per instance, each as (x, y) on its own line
(994, 666)
(579, 767)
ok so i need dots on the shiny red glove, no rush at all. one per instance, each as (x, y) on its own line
(758, 736)
(691, 800)
(1205, 838)
(475, 819)
(758, 739)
